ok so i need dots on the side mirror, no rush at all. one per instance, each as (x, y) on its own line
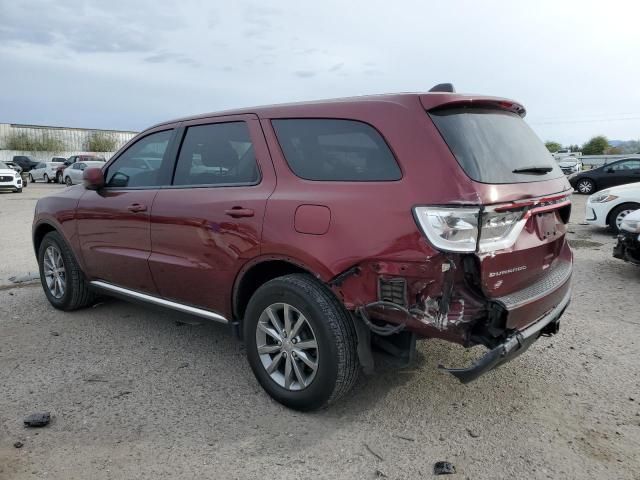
(93, 178)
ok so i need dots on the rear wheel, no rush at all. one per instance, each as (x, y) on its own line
(31, 180)
(617, 215)
(301, 342)
(58, 177)
(46, 178)
(62, 280)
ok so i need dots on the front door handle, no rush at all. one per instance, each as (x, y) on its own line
(237, 212)
(137, 207)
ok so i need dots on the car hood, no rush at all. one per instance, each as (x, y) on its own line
(628, 190)
(7, 171)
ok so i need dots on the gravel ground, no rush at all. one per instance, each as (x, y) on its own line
(138, 393)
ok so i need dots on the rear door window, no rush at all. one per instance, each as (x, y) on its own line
(490, 144)
(336, 150)
(217, 154)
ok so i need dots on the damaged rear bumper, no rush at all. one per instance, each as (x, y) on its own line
(514, 345)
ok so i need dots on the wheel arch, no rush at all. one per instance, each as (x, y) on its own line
(39, 233)
(261, 270)
(608, 220)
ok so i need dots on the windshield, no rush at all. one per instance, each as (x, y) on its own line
(495, 146)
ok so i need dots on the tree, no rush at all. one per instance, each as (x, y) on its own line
(101, 142)
(613, 151)
(596, 145)
(553, 147)
(574, 148)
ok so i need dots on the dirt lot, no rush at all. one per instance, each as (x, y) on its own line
(135, 393)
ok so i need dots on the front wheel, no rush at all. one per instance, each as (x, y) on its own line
(586, 186)
(68, 181)
(301, 342)
(58, 178)
(31, 180)
(46, 178)
(617, 215)
(63, 282)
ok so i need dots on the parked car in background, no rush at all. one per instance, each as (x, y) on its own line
(620, 172)
(73, 159)
(278, 222)
(13, 166)
(628, 246)
(570, 165)
(609, 207)
(26, 162)
(58, 159)
(73, 173)
(45, 171)
(10, 179)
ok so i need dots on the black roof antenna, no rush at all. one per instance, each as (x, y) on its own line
(444, 87)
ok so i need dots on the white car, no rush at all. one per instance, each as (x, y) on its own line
(570, 165)
(73, 173)
(609, 207)
(45, 171)
(9, 179)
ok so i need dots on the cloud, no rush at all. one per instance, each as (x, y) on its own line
(164, 57)
(304, 73)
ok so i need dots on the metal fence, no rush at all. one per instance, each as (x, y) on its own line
(73, 139)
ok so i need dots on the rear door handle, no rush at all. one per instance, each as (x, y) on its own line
(137, 207)
(237, 212)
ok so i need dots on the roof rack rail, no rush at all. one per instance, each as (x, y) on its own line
(444, 87)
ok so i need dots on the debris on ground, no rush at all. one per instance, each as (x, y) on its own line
(182, 323)
(375, 454)
(39, 419)
(380, 474)
(18, 444)
(54, 333)
(96, 378)
(27, 277)
(472, 434)
(122, 394)
(97, 304)
(405, 437)
(443, 468)
(183, 365)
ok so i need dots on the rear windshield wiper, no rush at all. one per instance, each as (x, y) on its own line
(533, 170)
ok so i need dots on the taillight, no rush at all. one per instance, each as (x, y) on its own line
(451, 229)
(465, 229)
(499, 230)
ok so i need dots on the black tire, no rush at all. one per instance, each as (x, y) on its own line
(58, 177)
(68, 181)
(31, 180)
(18, 191)
(46, 178)
(613, 215)
(335, 334)
(586, 186)
(77, 293)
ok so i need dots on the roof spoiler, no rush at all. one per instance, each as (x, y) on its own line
(443, 87)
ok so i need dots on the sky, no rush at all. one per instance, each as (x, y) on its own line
(118, 64)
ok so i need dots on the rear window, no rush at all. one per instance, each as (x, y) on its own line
(336, 150)
(490, 144)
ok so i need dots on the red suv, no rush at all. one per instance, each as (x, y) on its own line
(323, 231)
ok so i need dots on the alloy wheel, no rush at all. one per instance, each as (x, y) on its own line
(54, 271)
(46, 178)
(287, 346)
(68, 181)
(585, 186)
(621, 216)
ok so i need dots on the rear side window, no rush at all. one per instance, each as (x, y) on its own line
(335, 150)
(217, 154)
(490, 144)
